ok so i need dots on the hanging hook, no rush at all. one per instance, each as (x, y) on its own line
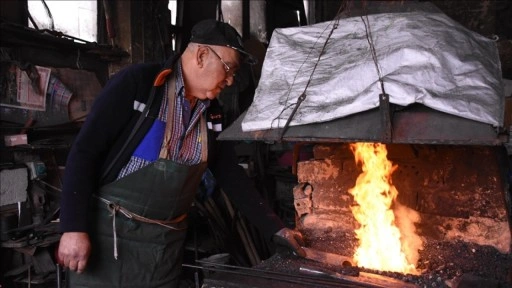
(78, 65)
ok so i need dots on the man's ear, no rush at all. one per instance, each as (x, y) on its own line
(201, 54)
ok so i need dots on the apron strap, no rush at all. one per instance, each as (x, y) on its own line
(171, 94)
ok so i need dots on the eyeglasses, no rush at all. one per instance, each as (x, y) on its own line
(226, 66)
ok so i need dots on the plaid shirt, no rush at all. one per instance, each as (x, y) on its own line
(184, 145)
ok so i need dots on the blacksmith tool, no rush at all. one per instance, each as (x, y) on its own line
(328, 258)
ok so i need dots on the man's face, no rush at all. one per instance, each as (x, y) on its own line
(220, 66)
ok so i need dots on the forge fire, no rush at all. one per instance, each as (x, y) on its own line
(382, 244)
(416, 210)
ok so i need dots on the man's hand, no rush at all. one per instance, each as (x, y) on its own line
(291, 239)
(74, 251)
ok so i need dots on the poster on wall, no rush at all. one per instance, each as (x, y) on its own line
(32, 89)
(24, 91)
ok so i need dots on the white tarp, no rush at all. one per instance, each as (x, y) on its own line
(424, 58)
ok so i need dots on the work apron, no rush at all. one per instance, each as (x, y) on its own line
(148, 254)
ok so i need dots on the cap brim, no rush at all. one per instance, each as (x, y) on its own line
(248, 58)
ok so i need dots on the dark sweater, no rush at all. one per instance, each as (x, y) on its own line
(104, 134)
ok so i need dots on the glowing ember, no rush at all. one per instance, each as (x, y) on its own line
(381, 243)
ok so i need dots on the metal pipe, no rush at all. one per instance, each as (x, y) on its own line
(242, 230)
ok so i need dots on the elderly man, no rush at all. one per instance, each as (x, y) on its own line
(136, 165)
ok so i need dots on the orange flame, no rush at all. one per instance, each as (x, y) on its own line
(380, 244)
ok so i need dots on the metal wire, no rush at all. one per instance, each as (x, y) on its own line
(303, 95)
(373, 52)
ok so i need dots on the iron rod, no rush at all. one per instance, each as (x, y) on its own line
(272, 275)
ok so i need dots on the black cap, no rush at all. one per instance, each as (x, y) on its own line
(213, 32)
